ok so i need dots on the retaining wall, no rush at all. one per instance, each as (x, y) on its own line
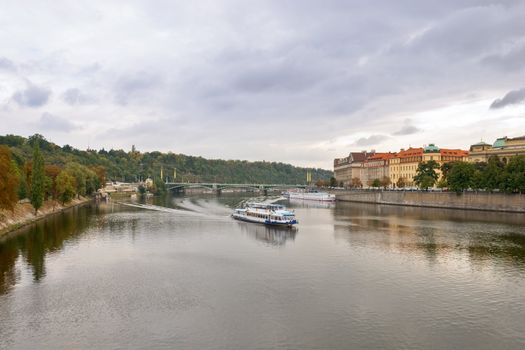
(467, 200)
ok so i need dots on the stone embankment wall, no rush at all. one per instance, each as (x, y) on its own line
(467, 200)
(24, 214)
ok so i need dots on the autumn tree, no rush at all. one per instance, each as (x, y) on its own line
(385, 182)
(401, 183)
(37, 179)
(9, 180)
(65, 186)
(356, 182)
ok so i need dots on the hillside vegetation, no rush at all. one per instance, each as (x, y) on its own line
(134, 165)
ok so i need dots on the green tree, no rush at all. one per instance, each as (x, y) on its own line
(442, 183)
(9, 180)
(159, 187)
(513, 176)
(65, 186)
(376, 183)
(37, 178)
(22, 187)
(78, 171)
(426, 175)
(492, 175)
(445, 168)
(460, 176)
(333, 182)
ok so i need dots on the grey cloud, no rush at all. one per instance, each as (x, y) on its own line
(33, 96)
(135, 85)
(235, 68)
(407, 129)
(511, 98)
(51, 122)
(6, 64)
(512, 60)
(74, 96)
(370, 141)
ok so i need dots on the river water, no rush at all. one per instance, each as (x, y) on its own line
(186, 276)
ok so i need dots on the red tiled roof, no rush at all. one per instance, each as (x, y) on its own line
(382, 156)
(453, 152)
(411, 152)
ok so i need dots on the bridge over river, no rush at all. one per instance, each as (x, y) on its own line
(218, 187)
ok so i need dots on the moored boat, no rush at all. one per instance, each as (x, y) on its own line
(310, 195)
(268, 214)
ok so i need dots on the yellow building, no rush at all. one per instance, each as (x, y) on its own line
(504, 148)
(405, 163)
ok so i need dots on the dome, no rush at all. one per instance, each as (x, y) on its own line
(431, 148)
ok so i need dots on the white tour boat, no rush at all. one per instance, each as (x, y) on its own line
(268, 214)
(310, 195)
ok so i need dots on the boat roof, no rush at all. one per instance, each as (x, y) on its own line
(264, 205)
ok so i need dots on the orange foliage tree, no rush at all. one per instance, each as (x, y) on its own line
(8, 180)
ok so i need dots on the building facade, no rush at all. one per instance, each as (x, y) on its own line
(369, 166)
(504, 148)
(376, 167)
(348, 168)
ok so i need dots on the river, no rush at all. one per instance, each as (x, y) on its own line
(186, 276)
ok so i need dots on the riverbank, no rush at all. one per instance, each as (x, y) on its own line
(467, 201)
(24, 213)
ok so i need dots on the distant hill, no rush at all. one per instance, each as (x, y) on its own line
(130, 166)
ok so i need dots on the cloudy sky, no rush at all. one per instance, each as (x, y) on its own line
(294, 81)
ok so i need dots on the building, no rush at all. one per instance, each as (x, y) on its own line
(405, 163)
(376, 167)
(345, 169)
(504, 148)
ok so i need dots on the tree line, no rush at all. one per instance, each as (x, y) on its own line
(36, 180)
(133, 165)
(493, 175)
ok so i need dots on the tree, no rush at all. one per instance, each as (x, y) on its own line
(385, 182)
(401, 183)
(320, 183)
(65, 186)
(159, 187)
(445, 168)
(9, 180)
(492, 175)
(426, 175)
(513, 177)
(460, 176)
(79, 173)
(51, 172)
(442, 183)
(333, 182)
(37, 178)
(101, 174)
(376, 183)
(356, 182)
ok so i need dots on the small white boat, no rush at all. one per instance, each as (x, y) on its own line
(268, 214)
(310, 195)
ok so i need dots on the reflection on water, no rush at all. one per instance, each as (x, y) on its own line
(435, 233)
(189, 277)
(34, 242)
(271, 235)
